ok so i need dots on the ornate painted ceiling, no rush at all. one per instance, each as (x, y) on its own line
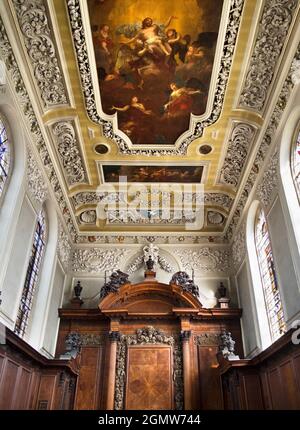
(160, 92)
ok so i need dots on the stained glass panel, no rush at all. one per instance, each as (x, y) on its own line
(4, 155)
(269, 280)
(296, 163)
(31, 276)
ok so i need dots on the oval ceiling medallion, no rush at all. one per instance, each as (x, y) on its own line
(101, 149)
(88, 217)
(205, 149)
(215, 218)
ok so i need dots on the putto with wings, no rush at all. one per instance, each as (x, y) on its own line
(151, 75)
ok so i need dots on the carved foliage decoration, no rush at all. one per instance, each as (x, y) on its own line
(238, 149)
(38, 39)
(264, 146)
(273, 29)
(239, 246)
(204, 259)
(146, 336)
(236, 7)
(35, 180)
(269, 181)
(69, 152)
(15, 76)
(64, 247)
(95, 260)
(207, 339)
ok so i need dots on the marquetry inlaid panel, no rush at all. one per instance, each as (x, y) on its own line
(149, 377)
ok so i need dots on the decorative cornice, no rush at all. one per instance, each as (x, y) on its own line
(64, 247)
(69, 152)
(95, 260)
(35, 181)
(240, 142)
(263, 148)
(39, 42)
(234, 19)
(37, 138)
(269, 182)
(273, 29)
(204, 259)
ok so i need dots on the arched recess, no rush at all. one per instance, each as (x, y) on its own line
(260, 316)
(42, 299)
(288, 192)
(11, 202)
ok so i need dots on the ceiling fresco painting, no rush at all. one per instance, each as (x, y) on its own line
(154, 63)
(153, 174)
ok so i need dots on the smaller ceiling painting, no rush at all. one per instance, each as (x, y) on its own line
(154, 62)
(154, 174)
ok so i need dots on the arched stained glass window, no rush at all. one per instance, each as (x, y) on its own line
(268, 277)
(33, 270)
(5, 155)
(295, 162)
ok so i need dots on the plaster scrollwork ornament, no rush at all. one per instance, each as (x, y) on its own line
(13, 73)
(148, 336)
(218, 199)
(239, 246)
(69, 152)
(36, 184)
(183, 280)
(64, 247)
(204, 259)
(79, 39)
(295, 69)
(240, 142)
(264, 147)
(269, 183)
(41, 49)
(93, 260)
(272, 34)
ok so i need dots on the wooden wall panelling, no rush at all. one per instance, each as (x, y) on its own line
(210, 381)
(89, 382)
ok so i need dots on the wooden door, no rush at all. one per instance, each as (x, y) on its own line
(149, 383)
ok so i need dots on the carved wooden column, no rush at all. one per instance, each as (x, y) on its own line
(185, 338)
(114, 337)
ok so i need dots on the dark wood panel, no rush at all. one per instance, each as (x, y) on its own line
(8, 383)
(87, 393)
(149, 378)
(289, 388)
(22, 391)
(269, 381)
(210, 383)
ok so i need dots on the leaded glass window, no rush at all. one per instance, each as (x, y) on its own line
(295, 162)
(32, 275)
(4, 156)
(268, 277)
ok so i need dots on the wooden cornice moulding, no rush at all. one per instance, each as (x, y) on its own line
(28, 353)
(276, 348)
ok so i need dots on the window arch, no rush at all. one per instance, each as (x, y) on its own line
(273, 303)
(5, 155)
(32, 274)
(295, 161)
